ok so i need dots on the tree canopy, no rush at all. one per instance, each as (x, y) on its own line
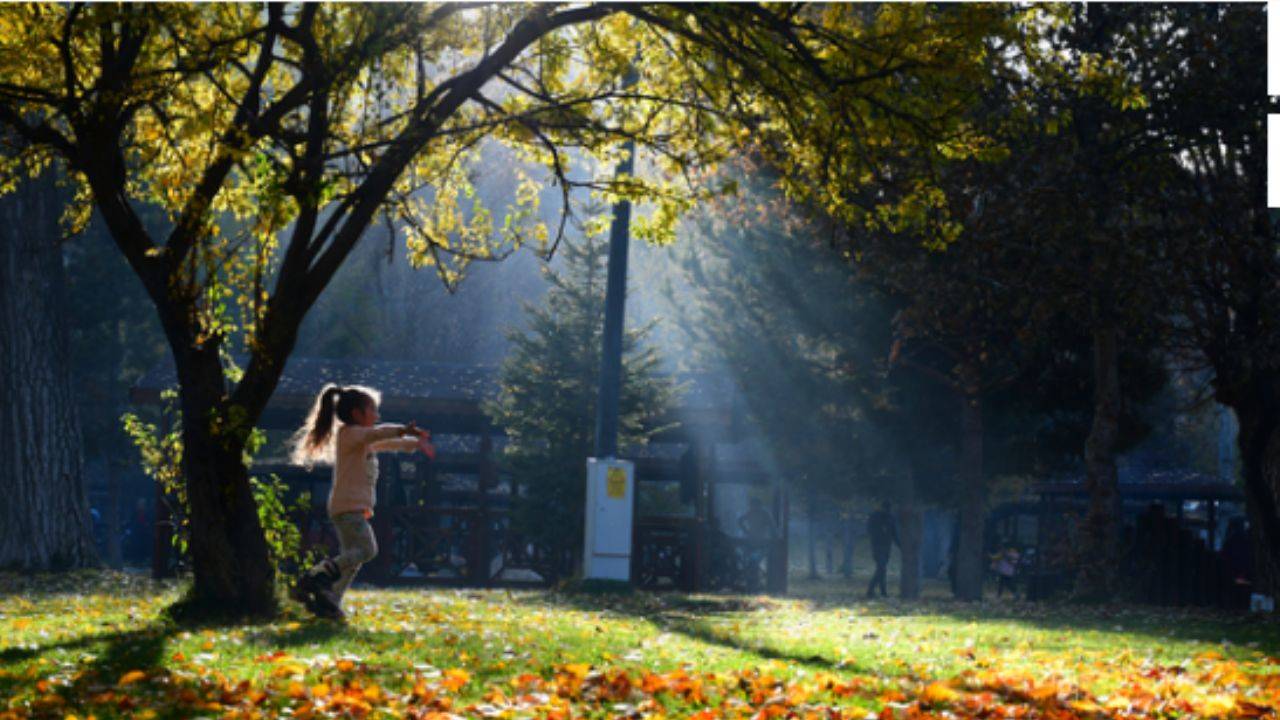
(271, 138)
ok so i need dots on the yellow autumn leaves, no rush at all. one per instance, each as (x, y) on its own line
(96, 649)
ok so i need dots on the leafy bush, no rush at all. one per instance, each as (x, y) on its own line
(160, 451)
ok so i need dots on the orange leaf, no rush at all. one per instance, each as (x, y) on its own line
(454, 679)
(288, 669)
(1087, 707)
(796, 695)
(525, 681)
(651, 683)
(132, 676)
(495, 695)
(939, 694)
(1217, 706)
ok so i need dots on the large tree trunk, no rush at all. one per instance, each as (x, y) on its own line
(1096, 566)
(1257, 407)
(910, 533)
(233, 575)
(112, 515)
(45, 517)
(970, 561)
(813, 535)
(910, 538)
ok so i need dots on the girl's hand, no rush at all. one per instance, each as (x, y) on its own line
(424, 444)
(412, 429)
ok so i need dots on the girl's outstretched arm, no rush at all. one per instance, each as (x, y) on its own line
(359, 436)
(406, 444)
(400, 444)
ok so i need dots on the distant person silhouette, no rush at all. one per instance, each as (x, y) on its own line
(1237, 557)
(1005, 566)
(883, 534)
(758, 529)
(756, 523)
(139, 534)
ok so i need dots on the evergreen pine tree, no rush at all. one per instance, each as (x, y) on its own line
(547, 401)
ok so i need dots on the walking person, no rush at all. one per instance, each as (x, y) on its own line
(758, 530)
(352, 448)
(1005, 566)
(883, 534)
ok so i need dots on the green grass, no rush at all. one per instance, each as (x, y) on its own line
(69, 643)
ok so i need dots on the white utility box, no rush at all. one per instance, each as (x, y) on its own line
(610, 491)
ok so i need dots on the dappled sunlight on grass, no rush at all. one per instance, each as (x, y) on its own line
(106, 651)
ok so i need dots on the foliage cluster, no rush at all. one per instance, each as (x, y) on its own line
(160, 451)
(548, 393)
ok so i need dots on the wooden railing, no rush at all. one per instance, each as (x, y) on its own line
(476, 547)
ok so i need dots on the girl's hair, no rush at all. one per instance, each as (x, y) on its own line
(311, 443)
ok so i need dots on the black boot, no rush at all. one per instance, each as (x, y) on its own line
(313, 590)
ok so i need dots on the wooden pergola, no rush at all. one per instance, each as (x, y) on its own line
(447, 521)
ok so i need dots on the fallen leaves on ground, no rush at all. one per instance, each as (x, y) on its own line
(325, 688)
(439, 655)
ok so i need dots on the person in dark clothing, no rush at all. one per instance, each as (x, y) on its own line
(1005, 565)
(883, 534)
(139, 533)
(1237, 560)
(1236, 551)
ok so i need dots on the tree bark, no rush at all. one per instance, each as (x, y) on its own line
(1257, 406)
(813, 536)
(45, 517)
(1096, 566)
(970, 562)
(910, 538)
(233, 576)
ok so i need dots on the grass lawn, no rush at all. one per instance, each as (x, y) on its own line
(94, 644)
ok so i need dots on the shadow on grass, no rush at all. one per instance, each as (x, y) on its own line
(114, 654)
(1185, 623)
(314, 632)
(688, 615)
(681, 613)
(120, 584)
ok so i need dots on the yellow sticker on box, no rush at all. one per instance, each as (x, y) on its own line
(615, 482)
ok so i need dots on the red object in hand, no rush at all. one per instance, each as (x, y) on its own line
(424, 444)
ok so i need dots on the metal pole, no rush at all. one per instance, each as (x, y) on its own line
(606, 445)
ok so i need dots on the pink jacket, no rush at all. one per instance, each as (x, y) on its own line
(355, 465)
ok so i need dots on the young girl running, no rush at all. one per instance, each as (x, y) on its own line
(352, 449)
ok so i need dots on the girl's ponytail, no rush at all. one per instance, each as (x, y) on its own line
(311, 442)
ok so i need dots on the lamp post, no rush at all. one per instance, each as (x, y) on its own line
(610, 481)
(615, 301)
